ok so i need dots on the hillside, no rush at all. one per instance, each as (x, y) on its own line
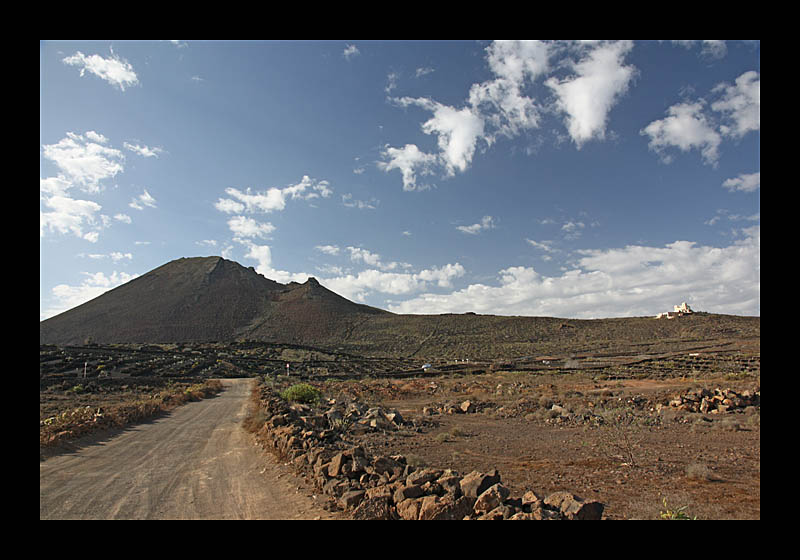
(213, 299)
(202, 299)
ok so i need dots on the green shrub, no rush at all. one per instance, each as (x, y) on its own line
(302, 393)
(678, 514)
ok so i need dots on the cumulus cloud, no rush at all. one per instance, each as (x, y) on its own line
(630, 281)
(85, 160)
(358, 286)
(262, 254)
(687, 128)
(740, 105)
(503, 106)
(587, 97)
(457, 132)
(502, 101)
(117, 72)
(410, 161)
(689, 125)
(69, 215)
(244, 227)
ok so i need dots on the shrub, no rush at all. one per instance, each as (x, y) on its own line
(677, 514)
(302, 393)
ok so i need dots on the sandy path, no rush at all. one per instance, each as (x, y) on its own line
(195, 463)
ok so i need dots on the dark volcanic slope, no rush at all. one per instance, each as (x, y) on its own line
(198, 299)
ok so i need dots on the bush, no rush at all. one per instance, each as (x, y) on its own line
(302, 393)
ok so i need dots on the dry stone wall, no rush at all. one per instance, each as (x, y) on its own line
(717, 401)
(385, 486)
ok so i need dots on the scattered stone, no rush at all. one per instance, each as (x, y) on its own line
(387, 487)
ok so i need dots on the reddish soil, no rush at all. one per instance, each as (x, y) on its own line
(707, 464)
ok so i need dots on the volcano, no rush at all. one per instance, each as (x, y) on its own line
(206, 299)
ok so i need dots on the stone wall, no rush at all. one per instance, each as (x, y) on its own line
(386, 486)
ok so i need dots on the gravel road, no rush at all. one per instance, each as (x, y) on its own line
(194, 463)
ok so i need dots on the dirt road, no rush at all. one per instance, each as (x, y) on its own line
(195, 463)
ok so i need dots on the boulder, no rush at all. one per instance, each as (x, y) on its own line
(422, 476)
(476, 483)
(409, 509)
(378, 508)
(444, 508)
(351, 498)
(572, 507)
(491, 498)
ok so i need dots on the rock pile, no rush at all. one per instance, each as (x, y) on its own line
(716, 401)
(464, 407)
(386, 486)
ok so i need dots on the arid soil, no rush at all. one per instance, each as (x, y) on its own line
(707, 464)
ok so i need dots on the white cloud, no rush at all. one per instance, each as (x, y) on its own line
(124, 218)
(546, 246)
(360, 285)
(630, 281)
(487, 222)
(273, 199)
(114, 70)
(501, 101)
(244, 227)
(687, 128)
(365, 256)
(229, 206)
(263, 255)
(601, 78)
(84, 160)
(573, 229)
(457, 131)
(713, 49)
(66, 296)
(68, 215)
(144, 199)
(350, 202)
(350, 51)
(391, 82)
(410, 160)
(740, 105)
(328, 249)
(747, 182)
(144, 151)
(502, 106)
(358, 254)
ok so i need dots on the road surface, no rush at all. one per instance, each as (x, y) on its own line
(194, 463)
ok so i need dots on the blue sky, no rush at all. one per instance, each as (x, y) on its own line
(579, 179)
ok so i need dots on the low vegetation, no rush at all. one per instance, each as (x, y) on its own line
(79, 414)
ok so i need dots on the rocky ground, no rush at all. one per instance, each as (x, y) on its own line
(641, 433)
(641, 444)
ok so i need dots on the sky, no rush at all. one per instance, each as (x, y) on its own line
(573, 179)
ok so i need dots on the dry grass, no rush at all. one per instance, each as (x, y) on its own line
(73, 422)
